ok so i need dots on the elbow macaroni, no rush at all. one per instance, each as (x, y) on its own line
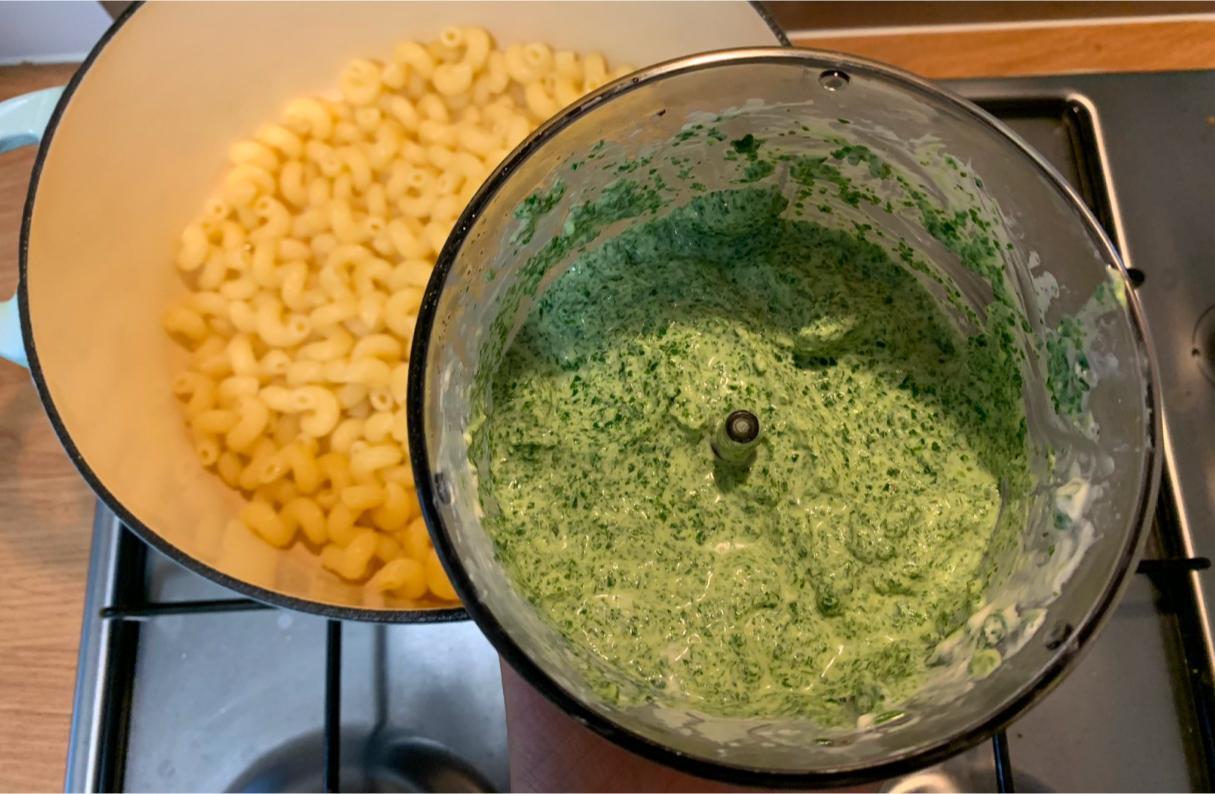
(306, 272)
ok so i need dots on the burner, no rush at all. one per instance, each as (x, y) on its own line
(371, 761)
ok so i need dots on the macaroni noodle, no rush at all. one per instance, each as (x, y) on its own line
(306, 271)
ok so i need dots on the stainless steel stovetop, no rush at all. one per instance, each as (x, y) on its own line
(183, 686)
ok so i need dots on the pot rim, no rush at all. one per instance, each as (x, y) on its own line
(915, 758)
(129, 520)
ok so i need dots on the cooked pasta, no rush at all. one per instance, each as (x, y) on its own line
(305, 272)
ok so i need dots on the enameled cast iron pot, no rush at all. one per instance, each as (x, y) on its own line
(131, 148)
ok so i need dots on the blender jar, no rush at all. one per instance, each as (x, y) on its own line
(987, 227)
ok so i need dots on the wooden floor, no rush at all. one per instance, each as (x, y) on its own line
(45, 510)
(45, 519)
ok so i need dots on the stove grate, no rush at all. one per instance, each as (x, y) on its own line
(131, 608)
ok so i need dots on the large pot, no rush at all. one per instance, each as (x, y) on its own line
(1091, 404)
(130, 149)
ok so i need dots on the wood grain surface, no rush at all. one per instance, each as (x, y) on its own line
(1003, 52)
(46, 511)
(45, 518)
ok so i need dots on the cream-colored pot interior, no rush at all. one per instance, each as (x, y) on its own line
(138, 147)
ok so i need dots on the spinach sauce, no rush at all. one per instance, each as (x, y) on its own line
(814, 581)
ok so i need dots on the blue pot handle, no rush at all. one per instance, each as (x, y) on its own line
(23, 119)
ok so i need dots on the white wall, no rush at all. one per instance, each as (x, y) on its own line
(48, 32)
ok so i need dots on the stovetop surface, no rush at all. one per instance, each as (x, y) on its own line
(235, 700)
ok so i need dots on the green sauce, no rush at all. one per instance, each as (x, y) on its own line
(814, 581)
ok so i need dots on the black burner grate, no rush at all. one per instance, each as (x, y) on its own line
(132, 608)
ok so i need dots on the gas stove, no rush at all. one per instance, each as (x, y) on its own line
(182, 685)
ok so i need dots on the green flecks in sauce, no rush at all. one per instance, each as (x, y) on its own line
(819, 580)
(1067, 367)
(748, 146)
(533, 208)
(757, 170)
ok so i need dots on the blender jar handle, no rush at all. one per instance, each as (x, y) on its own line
(23, 119)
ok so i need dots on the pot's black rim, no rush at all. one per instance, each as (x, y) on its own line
(968, 736)
(146, 533)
